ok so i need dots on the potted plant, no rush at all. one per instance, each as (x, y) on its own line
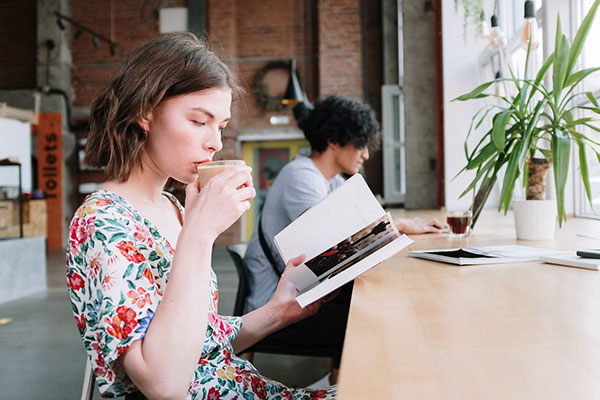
(534, 129)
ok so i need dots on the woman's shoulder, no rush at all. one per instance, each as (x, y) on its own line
(103, 204)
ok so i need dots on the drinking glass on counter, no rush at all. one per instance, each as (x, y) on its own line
(459, 222)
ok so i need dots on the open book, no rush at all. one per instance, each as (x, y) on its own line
(483, 255)
(344, 235)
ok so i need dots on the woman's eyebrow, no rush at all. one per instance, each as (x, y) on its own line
(208, 113)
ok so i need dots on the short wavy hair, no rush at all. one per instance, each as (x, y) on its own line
(337, 120)
(168, 66)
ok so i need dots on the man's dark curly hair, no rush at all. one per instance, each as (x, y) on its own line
(338, 120)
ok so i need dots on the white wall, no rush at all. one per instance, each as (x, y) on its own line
(461, 75)
(15, 141)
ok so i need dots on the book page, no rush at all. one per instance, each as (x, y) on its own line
(511, 251)
(343, 212)
(345, 253)
(336, 280)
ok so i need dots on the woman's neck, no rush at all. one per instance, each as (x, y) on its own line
(141, 187)
(325, 163)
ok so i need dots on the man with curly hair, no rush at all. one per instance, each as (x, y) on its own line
(339, 131)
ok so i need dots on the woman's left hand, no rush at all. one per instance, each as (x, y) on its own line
(285, 297)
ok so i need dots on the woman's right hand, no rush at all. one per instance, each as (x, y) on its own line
(222, 200)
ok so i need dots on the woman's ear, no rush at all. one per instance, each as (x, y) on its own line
(144, 122)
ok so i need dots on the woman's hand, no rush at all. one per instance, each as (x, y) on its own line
(418, 225)
(223, 199)
(285, 298)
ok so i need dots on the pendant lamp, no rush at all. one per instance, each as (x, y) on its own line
(293, 93)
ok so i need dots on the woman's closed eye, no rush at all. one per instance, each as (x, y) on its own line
(199, 123)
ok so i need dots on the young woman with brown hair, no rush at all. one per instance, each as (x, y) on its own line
(138, 269)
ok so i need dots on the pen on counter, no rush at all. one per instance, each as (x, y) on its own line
(588, 236)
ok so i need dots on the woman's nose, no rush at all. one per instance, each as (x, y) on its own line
(214, 142)
(365, 153)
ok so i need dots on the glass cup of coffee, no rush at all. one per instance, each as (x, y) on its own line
(459, 222)
(209, 169)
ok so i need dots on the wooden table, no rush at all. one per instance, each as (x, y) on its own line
(420, 329)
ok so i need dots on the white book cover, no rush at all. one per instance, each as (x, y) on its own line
(483, 255)
(572, 260)
(342, 236)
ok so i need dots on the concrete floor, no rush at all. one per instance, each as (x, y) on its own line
(42, 357)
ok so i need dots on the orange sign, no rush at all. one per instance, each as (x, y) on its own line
(49, 153)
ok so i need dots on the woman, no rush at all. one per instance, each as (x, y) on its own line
(339, 131)
(138, 269)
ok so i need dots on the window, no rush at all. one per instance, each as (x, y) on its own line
(590, 58)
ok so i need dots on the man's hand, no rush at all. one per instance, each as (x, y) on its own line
(419, 225)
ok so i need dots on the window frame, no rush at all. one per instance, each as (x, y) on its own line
(580, 202)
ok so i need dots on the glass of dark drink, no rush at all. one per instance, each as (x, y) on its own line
(459, 223)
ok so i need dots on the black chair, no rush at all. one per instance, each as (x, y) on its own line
(237, 252)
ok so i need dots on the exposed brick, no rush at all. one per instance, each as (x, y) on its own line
(18, 44)
(324, 35)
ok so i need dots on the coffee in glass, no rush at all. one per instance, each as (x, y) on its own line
(209, 169)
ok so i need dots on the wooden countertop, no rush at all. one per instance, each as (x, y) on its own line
(420, 329)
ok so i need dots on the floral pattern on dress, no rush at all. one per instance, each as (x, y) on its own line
(117, 268)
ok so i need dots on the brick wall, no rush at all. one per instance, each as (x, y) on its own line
(249, 34)
(340, 48)
(18, 39)
(129, 23)
(325, 37)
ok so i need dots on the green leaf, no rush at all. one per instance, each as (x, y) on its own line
(510, 176)
(517, 158)
(561, 154)
(585, 174)
(578, 76)
(560, 63)
(475, 93)
(525, 176)
(592, 99)
(592, 109)
(595, 128)
(542, 72)
(581, 136)
(499, 129)
(580, 36)
(482, 118)
(482, 194)
(483, 155)
(480, 172)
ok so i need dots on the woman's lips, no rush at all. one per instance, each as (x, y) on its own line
(197, 163)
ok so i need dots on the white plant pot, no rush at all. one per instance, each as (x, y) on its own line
(535, 219)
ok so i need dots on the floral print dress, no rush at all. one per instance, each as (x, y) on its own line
(117, 269)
